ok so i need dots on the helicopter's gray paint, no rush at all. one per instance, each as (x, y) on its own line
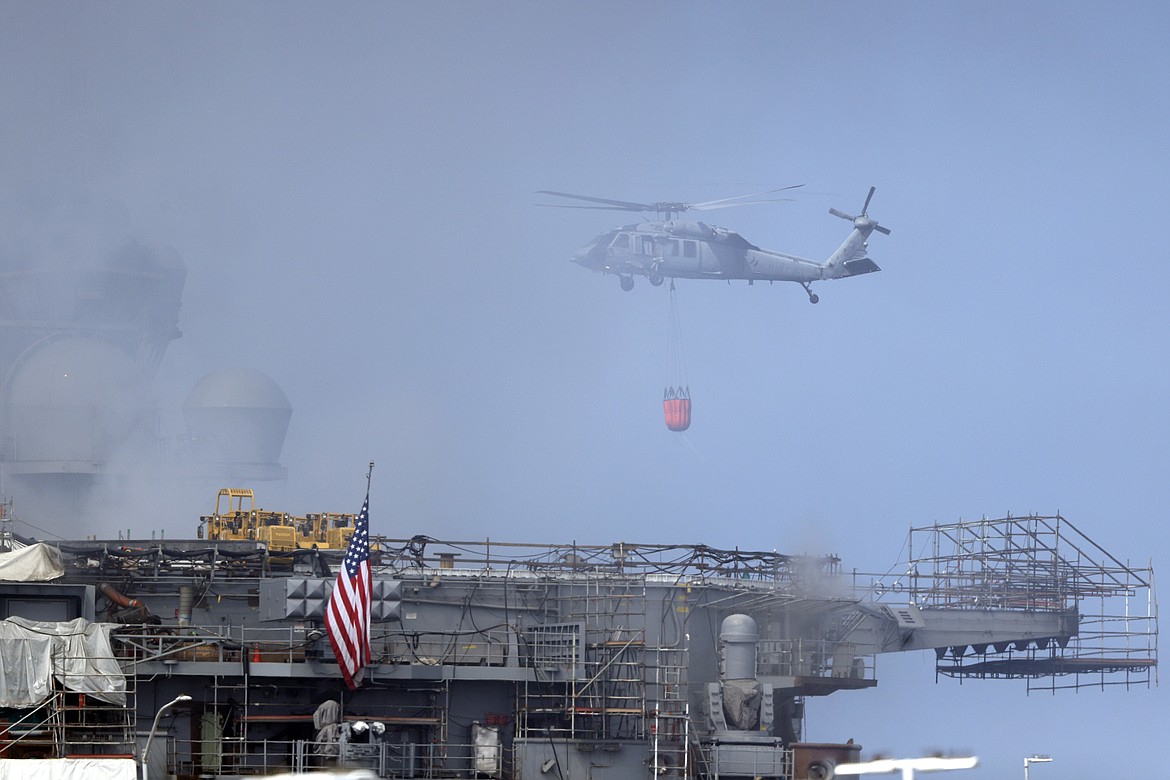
(677, 249)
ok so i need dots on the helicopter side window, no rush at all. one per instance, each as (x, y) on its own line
(674, 248)
(647, 245)
(622, 241)
(689, 249)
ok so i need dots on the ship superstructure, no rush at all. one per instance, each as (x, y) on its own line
(534, 661)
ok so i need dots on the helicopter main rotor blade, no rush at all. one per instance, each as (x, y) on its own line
(708, 207)
(842, 215)
(621, 205)
(668, 206)
(710, 203)
(882, 230)
(574, 206)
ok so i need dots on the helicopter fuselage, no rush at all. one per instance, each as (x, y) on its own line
(695, 250)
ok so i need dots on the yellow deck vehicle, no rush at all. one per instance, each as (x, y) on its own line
(236, 518)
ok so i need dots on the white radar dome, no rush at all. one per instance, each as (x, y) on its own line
(236, 415)
(76, 399)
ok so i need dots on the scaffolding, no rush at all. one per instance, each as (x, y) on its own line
(602, 676)
(70, 723)
(1038, 564)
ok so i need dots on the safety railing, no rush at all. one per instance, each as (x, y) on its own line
(193, 758)
(298, 644)
(812, 658)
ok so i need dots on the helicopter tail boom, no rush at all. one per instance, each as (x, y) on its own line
(850, 259)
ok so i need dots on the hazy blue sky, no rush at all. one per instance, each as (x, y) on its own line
(352, 185)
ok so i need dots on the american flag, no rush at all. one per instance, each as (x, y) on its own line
(347, 620)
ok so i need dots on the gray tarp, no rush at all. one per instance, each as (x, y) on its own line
(741, 704)
(36, 563)
(75, 652)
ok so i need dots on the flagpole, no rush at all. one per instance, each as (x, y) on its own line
(369, 473)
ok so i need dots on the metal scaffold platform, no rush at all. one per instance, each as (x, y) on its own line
(1036, 564)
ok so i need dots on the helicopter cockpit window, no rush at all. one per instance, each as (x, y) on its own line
(622, 241)
(689, 249)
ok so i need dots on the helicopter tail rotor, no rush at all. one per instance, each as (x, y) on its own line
(862, 220)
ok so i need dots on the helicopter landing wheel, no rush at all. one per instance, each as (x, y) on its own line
(627, 283)
(812, 296)
(656, 279)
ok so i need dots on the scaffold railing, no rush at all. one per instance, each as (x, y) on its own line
(1032, 562)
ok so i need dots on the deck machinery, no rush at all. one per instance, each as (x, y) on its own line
(237, 518)
(559, 662)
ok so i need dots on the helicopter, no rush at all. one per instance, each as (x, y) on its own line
(677, 249)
